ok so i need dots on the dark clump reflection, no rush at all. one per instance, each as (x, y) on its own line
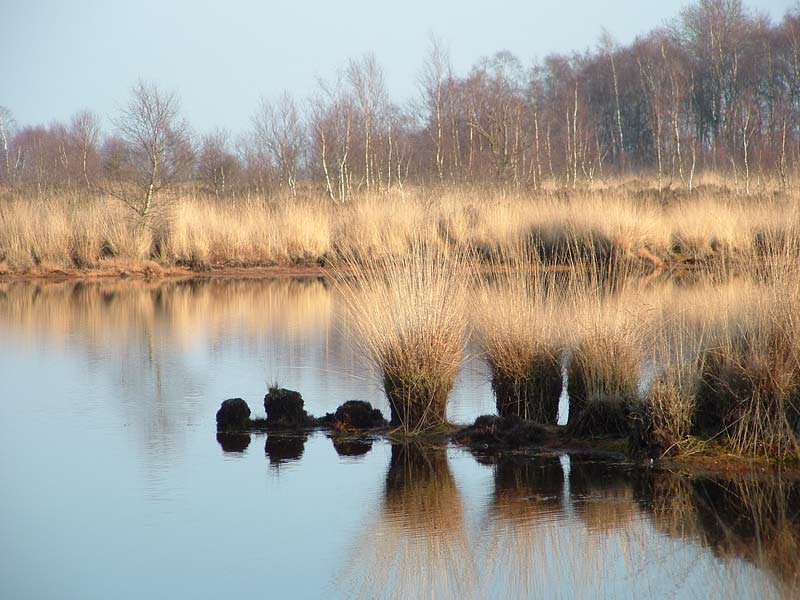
(351, 447)
(525, 487)
(233, 442)
(528, 499)
(602, 493)
(417, 546)
(283, 448)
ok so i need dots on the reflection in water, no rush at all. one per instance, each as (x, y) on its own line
(145, 339)
(233, 442)
(417, 547)
(601, 493)
(128, 376)
(525, 487)
(752, 518)
(576, 526)
(351, 446)
(283, 448)
(170, 349)
(528, 497)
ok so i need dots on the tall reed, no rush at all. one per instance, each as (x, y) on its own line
(615, 223)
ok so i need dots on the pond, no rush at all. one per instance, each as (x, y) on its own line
(113, 483)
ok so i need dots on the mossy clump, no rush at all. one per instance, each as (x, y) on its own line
(285, 409)
(357, 415)
(233, 415)
(497, 433)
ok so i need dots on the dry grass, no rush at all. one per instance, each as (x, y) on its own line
(726, 366)
(605, 361)
(618, 222)
(517, 324)
(57, 234)
(664, 419)
(408, 315)
(401, 261)
(749, 388)
(666, 414)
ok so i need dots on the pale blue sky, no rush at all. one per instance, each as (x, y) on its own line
(58, 57)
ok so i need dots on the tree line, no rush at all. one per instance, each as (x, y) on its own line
(717, 88)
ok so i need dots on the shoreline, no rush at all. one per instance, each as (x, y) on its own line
(152, 271)
(556, 439)
(156, 272)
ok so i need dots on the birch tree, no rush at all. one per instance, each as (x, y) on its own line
(156, 149)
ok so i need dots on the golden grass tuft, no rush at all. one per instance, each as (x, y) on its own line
(408, 315)
(750, 385)
(666, 414)
(605, 363)
(518, 329)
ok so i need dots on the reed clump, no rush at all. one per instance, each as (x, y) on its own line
(408, 315)
(750, 391)
(603, 384)
(605, 364)
(662, 422)
(521, 342)
(664, 419)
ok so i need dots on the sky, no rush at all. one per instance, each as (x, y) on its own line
(220, 57)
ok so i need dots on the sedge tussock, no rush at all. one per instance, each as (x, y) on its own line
(408, 314)
(517, 325)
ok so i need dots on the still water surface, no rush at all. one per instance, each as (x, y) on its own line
(113, 483)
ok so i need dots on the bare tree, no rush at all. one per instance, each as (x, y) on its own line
(280, 129)
(157, 148)
(366, 81)
(332, 117)
(84, 133)
(434, 79)
(608, 46)
(6, 133)
(651, 73)
(217, 166)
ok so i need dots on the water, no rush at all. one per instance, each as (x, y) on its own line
(113, 483)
